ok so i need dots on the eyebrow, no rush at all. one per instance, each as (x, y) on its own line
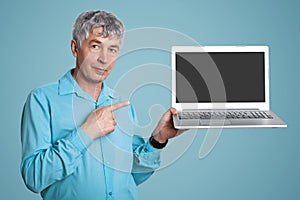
(99, 42)
(115, 46)
(96, 41)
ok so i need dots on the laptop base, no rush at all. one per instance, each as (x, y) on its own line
(220, 123)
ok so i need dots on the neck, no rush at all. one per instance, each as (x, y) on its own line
(93, 89)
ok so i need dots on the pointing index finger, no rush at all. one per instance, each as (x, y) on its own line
(119, 105)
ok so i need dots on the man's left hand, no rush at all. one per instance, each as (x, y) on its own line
(165, 128)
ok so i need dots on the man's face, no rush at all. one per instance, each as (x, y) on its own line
(96, 56)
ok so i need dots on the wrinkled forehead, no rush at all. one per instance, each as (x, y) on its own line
(100, 32)
(104, 37)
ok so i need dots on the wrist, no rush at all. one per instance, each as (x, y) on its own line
(158, 144)
(159, 138)
(84, 127)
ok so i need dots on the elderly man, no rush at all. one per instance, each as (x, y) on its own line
(72, 146)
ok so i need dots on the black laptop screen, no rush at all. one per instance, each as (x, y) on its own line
(205, 77)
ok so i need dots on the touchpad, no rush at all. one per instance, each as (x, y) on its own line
(214, 122)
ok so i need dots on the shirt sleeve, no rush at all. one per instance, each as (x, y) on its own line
(44, 162)
(146, 158)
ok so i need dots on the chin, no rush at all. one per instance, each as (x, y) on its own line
(99, 79)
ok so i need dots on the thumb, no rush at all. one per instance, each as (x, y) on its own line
(173, 111)
(168, 114)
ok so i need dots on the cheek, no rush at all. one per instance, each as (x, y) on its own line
(87, 60)
(112, 65)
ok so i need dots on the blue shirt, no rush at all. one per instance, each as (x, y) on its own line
(62, 162)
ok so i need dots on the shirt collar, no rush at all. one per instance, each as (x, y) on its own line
(67, 85)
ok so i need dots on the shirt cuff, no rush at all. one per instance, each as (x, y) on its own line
(80, 139)
(149, 148)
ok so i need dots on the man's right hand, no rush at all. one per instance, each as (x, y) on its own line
(102, 120)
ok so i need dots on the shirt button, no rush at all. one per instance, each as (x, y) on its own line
(110, 193)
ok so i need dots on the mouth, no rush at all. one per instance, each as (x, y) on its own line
(99, 70)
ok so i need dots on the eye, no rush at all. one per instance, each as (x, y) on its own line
(113, 51)
(95, 46)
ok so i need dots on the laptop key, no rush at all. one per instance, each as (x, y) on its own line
(225, 115)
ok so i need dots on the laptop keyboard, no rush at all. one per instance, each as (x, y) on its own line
(224, 115)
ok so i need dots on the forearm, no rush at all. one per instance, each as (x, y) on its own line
(146, 160)
(46, 165)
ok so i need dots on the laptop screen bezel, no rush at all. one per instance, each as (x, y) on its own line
(226, 105)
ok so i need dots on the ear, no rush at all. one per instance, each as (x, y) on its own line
(74, 48)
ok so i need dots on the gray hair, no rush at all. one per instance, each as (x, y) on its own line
(86, 22)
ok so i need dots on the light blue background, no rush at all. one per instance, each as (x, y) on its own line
(245, 164)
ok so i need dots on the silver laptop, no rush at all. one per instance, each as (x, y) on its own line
(222, 87)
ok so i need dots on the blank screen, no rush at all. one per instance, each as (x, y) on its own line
(199, 74)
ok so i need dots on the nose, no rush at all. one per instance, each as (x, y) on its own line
(102, 57)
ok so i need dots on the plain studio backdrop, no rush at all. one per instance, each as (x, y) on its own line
(244, 164)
